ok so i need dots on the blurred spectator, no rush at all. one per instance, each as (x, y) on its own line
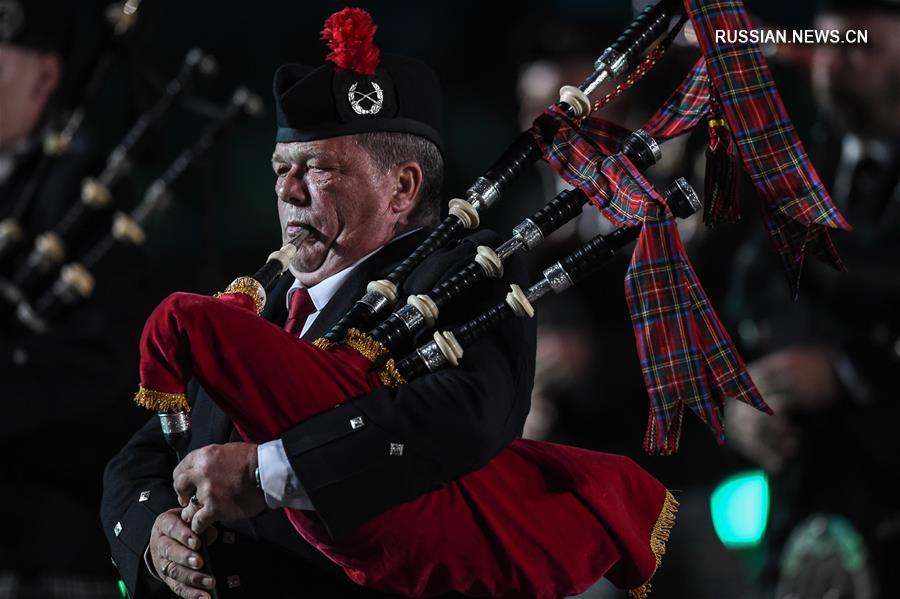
(828, 365)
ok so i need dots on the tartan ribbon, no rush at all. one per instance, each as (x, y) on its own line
(688, 106)
(687, 357)
(796, 208)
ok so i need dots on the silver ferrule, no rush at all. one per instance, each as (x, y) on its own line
(650, 143)
(483, 194)
(529, 232)
(116, 164)
(558, 278)
(509, 247)
(174, 424)
(249, 102)
(411, 317)
(690, 203)
(611, 61)
(593, 82)
(10, 292)
(376, 301)
(64, 290)
(156, 196)
(29, 317)
(538, 290)
(432, 355)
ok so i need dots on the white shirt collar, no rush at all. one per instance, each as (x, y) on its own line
(322, 292)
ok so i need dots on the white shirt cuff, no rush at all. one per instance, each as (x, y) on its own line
(279, 482)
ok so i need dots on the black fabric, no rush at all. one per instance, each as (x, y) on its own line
(450, 423)
(858, 6)
(319, 103)
(66, 391)
(43, 25)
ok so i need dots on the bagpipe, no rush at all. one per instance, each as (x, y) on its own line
(123, 19)
(50, 280)
(539, 519)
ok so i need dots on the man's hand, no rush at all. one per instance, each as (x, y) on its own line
(217, 482)
(792, 381)
(172, 550)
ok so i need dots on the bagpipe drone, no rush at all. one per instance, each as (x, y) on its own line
(599, 514)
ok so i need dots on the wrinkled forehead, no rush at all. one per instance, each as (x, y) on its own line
(335, 148)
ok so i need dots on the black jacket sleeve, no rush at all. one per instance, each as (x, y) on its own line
(137, 487)
(431, 430)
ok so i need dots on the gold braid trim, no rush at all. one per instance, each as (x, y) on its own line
(658, 539)
(378, 355)
(323, 343)
(159, 401)
(249, 287)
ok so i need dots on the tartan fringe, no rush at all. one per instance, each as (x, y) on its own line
(378, 355)
(658, 539)
(161, 401)
(720, 184)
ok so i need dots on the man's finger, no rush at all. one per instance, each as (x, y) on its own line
(175, 528)
(191, 578)
(203, 519)
(187, 513)
(171, 550)
(185, 591)
(184, 487)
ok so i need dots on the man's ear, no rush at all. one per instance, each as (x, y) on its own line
(408, 181)
(48, 77)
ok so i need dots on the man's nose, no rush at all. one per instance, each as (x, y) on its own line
(293, 190)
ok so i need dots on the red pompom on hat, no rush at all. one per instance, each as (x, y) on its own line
(350, 34)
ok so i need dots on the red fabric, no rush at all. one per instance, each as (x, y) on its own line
(350, 34)
(301, 307)
(539, 520)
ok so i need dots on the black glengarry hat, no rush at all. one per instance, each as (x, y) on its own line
(357, 90)
(42, 25)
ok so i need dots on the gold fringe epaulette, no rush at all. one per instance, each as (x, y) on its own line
(161, 402)
(378, 355)
(658, 539)
(249, 287)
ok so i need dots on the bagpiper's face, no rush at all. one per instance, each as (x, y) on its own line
(331, 189)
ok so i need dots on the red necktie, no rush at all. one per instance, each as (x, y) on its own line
(301, 307)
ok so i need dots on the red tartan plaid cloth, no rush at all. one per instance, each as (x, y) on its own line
(687, 107)
(796, 207)
(687, 357)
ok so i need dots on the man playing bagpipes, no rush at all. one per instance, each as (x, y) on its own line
(364, 186)
(521, 518)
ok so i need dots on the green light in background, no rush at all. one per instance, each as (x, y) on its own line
(740, 509)
(123, 589)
